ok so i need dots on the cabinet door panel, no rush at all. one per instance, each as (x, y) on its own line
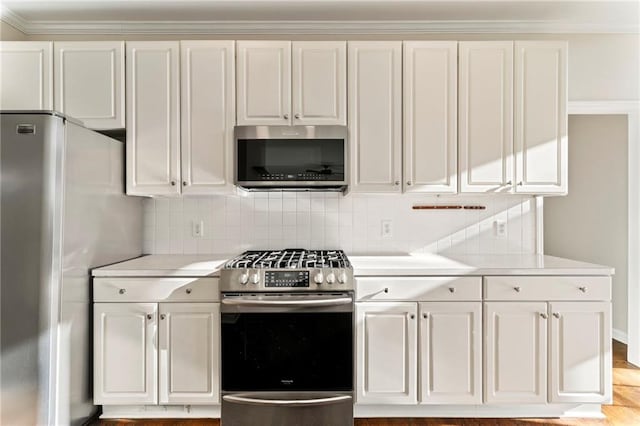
(153, 118)
(430, 116)
(541, 116)
(375, 110)
(386, 351)
(319, 82)
(450, 353)
(486, 116)
(515, 352)
(125, 353)
(189, 353)
(264, 82)
(89, 82)
(580, 352)
(26, 74)
(207, 118)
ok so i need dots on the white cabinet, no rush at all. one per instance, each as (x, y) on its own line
(26, 74)
(386, 347)
(541, 116)
(207, 115)
(125, 353)
(450, 352)
(89, 82)
(486, 116)
(189, 359)
(153, 118)
(375, 115)
(430, 102)
(580, 352)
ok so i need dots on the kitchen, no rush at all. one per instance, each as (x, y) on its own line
(416, 164)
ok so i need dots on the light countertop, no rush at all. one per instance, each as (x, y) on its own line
(166, 265)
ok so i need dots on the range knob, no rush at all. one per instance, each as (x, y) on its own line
(331, 278)
(342, 278)
(255, 278)
(244, 278)
(318, 278)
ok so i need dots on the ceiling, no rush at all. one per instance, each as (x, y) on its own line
(320, 16)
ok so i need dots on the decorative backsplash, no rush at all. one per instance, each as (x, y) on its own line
(237, 222)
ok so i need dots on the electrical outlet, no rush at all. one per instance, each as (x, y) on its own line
(386, 229)
(500, 228)
(197, 228)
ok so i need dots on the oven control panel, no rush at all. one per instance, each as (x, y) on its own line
(286, 278)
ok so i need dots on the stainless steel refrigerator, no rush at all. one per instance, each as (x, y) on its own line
(62, 212)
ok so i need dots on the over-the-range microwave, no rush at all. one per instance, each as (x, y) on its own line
(296, 158)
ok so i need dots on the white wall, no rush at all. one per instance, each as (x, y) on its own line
(590, 224)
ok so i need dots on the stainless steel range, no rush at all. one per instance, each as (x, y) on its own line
(287, 338)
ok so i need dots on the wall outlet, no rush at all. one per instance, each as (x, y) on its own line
(386, 230)
(500, 228)
(197, 229)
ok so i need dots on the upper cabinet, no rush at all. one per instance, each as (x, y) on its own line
(430, 116)
(26, 72)
(285, 83)
(375, 115)
(89, 82)
(541, 116)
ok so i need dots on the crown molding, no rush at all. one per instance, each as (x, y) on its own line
(16, 21)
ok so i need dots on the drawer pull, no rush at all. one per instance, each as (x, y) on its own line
(162, 316)
(582, 289)
(188, 291)
(543, 315)
(122, 291)
(386, 290)
(452, 289)
(149, 316)
(517, 289)
(556, 315)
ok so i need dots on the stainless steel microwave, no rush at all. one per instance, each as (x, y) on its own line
(302, 158)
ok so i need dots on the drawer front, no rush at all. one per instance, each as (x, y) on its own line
(547, 288)
(156, 290)
(419, 288)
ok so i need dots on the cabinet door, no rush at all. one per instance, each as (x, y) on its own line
(153, 118)
(89, 82)
(450, 353)
(386, 360)
(125, 356)
(375, 115)
(26, 74)
(430, 116)
(486, 116)
(319, 82)
(515, 352)
(189, 353)
(264, 82)
(580, 352)
(207, 115)
(541, 116)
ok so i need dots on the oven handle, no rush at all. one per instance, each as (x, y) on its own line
(301, 302)
(289, 402)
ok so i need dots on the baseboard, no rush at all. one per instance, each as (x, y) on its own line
(481, 411)
(620, 336)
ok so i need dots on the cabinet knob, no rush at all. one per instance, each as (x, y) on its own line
(517, 289)
(425, 316)
(188, 291)
(509, 183)
(396, 183)
(122, 291)
(412, 316)
(520, 183)
(184, 183)
(408, 183)
(286, 116)
(556, 315)
(162, 316)
(452, 289)
(543, 315)
(173, 183)
(297, 115)
(386, 290)
(149, 316)
(582, 289)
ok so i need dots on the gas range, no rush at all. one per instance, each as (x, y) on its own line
(287, 270)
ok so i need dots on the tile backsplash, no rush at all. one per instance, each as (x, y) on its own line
(242, 221)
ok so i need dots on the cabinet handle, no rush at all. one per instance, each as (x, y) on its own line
(188, 291)
(286, 116)
(582, 289)
(556, 315)
(520, 183)
(412, 316)
(408, 183)
(425, 316)
(122, 291)
(452, 289)
(386, 290)
(396, 183)
(173, 183)
(149, 316)
(184, 183)
(297, 115)
(509, 183)
(543, 315)
(162, 316)
(517, 289)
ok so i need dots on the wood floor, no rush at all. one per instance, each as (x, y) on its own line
(624, 411)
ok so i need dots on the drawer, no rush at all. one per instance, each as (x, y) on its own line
(547, 288)
(419, 288)
(156, 290)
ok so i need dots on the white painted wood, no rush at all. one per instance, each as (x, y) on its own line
(156, 290)
(386, 353)
(263, 82)
(125, 356)
(207, 115)
(486, 116)
(26, 75)
(430, 83)
(580, 348)
(319, 82)
(540, 121)
(450, 359)
(89, 82)
(515, 352)
(153, 117)
(418, 288)
(189, 353)
(375, 115)
(547, 288)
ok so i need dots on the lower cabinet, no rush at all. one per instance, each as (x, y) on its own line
(150, 353)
